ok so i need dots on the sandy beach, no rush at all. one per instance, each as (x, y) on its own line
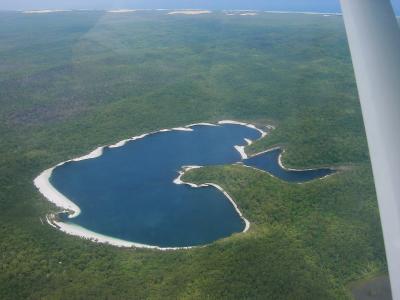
(241, 151)
(76, 230)
(42, 182)
(263, 133)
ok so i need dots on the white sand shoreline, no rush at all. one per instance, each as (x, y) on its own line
(79, 231)
(241, 151)
(43, 184)
(263, 133)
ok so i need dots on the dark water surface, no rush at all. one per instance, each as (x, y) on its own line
(269, 162)
(128, 192)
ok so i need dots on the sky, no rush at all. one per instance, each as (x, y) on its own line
(292, 5)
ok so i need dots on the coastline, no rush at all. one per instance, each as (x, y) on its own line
(43, 184)
(188, 11)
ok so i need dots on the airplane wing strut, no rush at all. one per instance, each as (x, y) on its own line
(374, 39)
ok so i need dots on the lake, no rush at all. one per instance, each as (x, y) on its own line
(269, 162)
(129, 192)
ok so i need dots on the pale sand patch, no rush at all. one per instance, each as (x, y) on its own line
(303, 13)
(201, 124)
(123, 142)
(42, 182)
(50, 193)
(189, 12)
(249, 14)
(263, 133)
(248, 141)
(94, 154)
(186, 128)
(178, 179)
(270, 127)
(44, 11)
(76, 230)
(121, 11)
(182, 129)
(241, 13)
(231, 122)
(241, 151)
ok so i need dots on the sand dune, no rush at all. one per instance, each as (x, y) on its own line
(44, 11)
(189, 12)
(121, 11)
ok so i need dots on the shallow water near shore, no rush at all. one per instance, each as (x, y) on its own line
(129, 192)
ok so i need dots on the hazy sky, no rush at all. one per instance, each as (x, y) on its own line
(304, 5)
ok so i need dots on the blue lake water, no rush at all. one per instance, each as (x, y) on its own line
(128, 192)
(269, 162)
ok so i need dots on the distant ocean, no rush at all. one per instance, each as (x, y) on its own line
(331, 6)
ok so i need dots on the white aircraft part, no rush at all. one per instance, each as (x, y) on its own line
(374, 39)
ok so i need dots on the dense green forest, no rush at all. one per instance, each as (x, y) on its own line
(70, 82)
